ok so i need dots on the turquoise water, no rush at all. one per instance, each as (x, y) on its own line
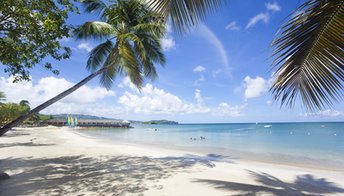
(312, 140)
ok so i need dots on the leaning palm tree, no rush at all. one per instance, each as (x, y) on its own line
(309, 54)
(131, 35)
(184, 14)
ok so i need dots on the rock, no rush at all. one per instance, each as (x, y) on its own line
(4, 176)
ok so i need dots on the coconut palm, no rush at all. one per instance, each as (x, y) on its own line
(309, 54)
(185, 14)
(24, 103)
(131, 35)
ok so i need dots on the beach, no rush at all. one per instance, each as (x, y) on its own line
(61, 161)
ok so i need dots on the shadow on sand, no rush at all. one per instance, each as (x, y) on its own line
(27, 144)
(15, 133)
(115, 175)
(302, 185)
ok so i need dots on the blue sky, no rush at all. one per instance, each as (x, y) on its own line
(219, 72)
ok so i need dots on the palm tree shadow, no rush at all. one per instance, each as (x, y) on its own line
(104, 175)
(302, 185)
(15, 133)
(27, 144)
(207, 160)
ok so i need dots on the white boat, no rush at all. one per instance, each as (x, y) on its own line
(267, 126)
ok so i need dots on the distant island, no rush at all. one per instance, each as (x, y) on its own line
(81, 116)
(161, 122)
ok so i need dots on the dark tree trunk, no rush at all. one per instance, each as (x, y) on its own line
(37, 109)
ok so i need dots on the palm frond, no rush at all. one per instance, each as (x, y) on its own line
(156, 28)
(108, 77)
(129, 63)
(154, 50)
(98, 55)
(136, 32)
(184, 14)
(95, 30)
(93, 5)
(309, 54)
(112, 61)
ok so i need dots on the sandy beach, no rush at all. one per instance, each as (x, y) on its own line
(60, 161)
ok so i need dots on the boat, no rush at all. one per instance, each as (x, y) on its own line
(267, 126)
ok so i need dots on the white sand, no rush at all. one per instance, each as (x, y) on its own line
(59, 161)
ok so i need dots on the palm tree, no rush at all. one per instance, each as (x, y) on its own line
(24, 103)
(131, 35)
(2, 97)
(309, 54)
(185, 14)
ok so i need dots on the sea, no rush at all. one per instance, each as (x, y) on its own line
(313, 143)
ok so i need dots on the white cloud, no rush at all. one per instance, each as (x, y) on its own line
(274, 7)
(232, 26)
(255, 87)
(216, 72)
(198, 97)
(224, 109)
(199, 69)
(127, 83)
(323, 113)
(269, 102)
(205, 32)
(199, 80)
(263, 17)
(80, 101)
(168, 43)
(85, 46)
(152, 100)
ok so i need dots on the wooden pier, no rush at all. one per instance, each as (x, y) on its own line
(91, 123)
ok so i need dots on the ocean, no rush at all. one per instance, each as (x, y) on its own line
(321, 142)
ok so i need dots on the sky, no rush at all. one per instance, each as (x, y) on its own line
(217, 73)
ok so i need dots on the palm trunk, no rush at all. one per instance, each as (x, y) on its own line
(37, 109)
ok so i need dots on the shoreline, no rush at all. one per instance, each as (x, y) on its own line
(272, 158)
(55, 160)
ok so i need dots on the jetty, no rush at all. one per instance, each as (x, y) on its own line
(91, 123)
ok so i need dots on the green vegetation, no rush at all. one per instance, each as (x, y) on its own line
(2, 97)
(11, 111)
(131, 33)
(160, 122)
(30, 31)
(309, 54)
(185, 14)
(136, 32)
(81, 116)
(43, 117)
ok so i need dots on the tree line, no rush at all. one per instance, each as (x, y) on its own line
(11, 111)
